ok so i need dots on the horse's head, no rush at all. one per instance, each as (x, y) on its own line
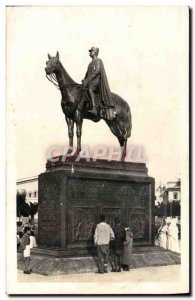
(52, 64)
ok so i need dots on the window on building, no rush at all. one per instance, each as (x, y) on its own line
(29, 195)
(175, 196)
(35, 194)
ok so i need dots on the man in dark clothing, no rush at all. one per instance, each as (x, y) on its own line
(25, 244)
(119, 232)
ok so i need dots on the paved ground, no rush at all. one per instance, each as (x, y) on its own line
(152, 274)
(150, 280)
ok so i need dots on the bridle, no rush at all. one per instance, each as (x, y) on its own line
(52, 78)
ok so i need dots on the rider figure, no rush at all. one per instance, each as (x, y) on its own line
(95, 78)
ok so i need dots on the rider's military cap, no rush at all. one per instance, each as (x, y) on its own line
(95, 49)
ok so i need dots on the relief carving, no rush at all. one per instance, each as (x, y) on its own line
(137, 222)
(111, 214)
(83, 223)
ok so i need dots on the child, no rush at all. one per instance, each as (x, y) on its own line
(25, 244)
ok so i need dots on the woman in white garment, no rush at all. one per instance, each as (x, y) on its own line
(173, 243)
(162, 235)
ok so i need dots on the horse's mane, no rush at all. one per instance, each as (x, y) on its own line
(69, 79)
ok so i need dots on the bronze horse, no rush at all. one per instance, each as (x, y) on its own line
(75, 105)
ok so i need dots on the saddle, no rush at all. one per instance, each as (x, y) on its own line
(104, 111)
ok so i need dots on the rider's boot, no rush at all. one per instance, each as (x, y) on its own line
(94, 109)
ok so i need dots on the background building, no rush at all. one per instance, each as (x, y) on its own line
(159, 194)
(30, 185)
(169, 193)
(167, 204)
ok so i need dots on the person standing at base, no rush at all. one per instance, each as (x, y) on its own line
(25, 245)
(33, 243)
(119, 232)
(102, 237)
(162, 234)
(173, 243)
(127, 249)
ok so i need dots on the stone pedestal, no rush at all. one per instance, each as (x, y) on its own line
(73, 194)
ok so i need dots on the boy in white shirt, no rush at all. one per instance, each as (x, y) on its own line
(102, 237)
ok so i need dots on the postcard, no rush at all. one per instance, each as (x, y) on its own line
(97, 150)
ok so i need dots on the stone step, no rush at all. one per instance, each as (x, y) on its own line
(47, 265)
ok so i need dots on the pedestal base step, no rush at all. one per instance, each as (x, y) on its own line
(142, 257)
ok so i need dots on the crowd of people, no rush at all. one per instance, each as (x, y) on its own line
(167, 235)
(114, 245)
(25, 242)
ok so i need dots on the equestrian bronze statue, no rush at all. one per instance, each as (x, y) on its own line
(91, 100)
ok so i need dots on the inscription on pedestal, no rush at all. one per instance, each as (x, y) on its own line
(49, 213)
(49, 217)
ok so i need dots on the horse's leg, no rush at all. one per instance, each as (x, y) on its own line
(79, 123)
(70, 124)
(124, 150)
(123, 144)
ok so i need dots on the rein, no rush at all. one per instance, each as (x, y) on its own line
(52, 78)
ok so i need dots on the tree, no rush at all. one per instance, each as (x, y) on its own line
(172, 209)
(33, 209)
(22, 206)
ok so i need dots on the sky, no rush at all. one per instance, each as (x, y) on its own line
(145, 54)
